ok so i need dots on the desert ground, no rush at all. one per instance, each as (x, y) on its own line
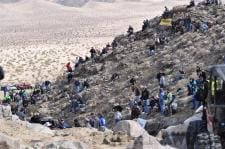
(38, 37)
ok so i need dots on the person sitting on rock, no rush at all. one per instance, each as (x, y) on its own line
(166, 13)
(135, 112)
(93, 52)
(7, 99)
(62, 124)
(133, 80)
(86, 85)
(34, 97)
(145, 25)
(69, 77)
(47, 84)
(75, 106)
(21, 114)
(69, 68)
(204, 27)
(154, 104)
(130, 31)
(93, 120)
(77, 86)
(104, 51)
(114, 77)
(179, 76)
(76, 123)
(145, 94)
(151, 50)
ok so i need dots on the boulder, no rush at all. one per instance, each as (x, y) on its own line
(8, 142)
(146, 141)
(153, 126)
(6, 111)
(132, 128)
(182, 135)
(40, 128)
(62, 144)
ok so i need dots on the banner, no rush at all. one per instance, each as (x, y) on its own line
(166, 22)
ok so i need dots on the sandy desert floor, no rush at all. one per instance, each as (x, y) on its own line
(37, 37)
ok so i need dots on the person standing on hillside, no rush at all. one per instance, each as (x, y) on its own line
(101, 122)
(93, 52)
(162, 81)
(145, 94)
(169, 101)
(69, 68)
(130, 31)
(117, 115)
(162, 100)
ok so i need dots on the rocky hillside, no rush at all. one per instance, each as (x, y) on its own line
(181, 51)
(129, 59)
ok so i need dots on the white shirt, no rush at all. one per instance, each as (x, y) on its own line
(118, 116)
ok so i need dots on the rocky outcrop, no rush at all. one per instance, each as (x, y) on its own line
(145, 141)
(132, 128)
(40, 128)
(66, 145)
(142, 140)
(183, 135)
(8, 142)
(154, 125)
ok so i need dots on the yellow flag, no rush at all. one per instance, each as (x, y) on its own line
(166, 22)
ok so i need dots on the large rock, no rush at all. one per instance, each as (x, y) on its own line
(142, 139)
(132, 128)
(66, 145)
(6, 111)
(146, 141)
(153, 126)
(8, 142)
(183, 135)
(40, 128)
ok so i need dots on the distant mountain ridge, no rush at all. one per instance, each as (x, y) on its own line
(69, 3)
(77, 3)
(8, 1)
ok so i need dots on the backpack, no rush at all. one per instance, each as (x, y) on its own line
(102, 122)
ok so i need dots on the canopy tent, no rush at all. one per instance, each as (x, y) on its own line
(218, 71)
